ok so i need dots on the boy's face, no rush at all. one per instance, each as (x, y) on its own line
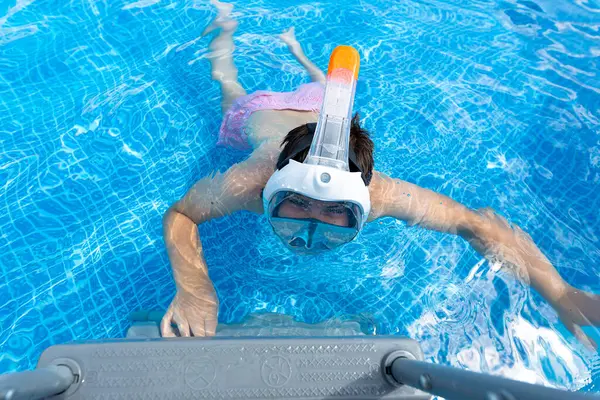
(309, 226)
(301, 207)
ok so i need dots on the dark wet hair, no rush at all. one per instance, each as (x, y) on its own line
(360, 143)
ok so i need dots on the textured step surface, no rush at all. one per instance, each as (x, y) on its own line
(236, 368)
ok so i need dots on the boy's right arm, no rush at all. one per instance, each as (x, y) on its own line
(194, 308)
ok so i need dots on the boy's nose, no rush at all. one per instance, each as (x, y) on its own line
(315, 213)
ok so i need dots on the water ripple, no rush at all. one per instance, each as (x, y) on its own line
(108, 115)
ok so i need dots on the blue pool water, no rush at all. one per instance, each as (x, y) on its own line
(108, 115)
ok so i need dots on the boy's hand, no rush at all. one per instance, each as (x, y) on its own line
(576, 309)
(193, 316)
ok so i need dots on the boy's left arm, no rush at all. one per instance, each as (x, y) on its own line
(492, 237)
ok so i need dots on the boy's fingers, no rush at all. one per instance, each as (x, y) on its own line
(587, 341)
(184, 329)
(182, 324)
(210, 327)
(198, 328)
(166, 329)
(580, 335)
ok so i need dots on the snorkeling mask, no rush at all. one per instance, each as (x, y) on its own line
(319, 204)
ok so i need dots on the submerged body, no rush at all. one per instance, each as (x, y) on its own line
(260, 122)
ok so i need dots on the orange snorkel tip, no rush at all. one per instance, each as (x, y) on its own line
(344, 64)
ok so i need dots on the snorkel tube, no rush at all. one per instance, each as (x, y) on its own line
(332, 136)
(325, 175)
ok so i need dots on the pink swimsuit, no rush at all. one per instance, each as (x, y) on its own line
(307, 97)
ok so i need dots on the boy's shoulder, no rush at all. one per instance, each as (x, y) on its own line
(244, 182)
(380, 189)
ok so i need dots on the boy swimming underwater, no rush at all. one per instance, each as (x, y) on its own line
(318, 188)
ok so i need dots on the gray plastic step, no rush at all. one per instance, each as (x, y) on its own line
(145, 325)
(235, 368)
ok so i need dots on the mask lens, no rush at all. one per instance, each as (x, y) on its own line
(310, 225)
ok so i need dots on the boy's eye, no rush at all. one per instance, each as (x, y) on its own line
(336, 210)
(298, 202)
